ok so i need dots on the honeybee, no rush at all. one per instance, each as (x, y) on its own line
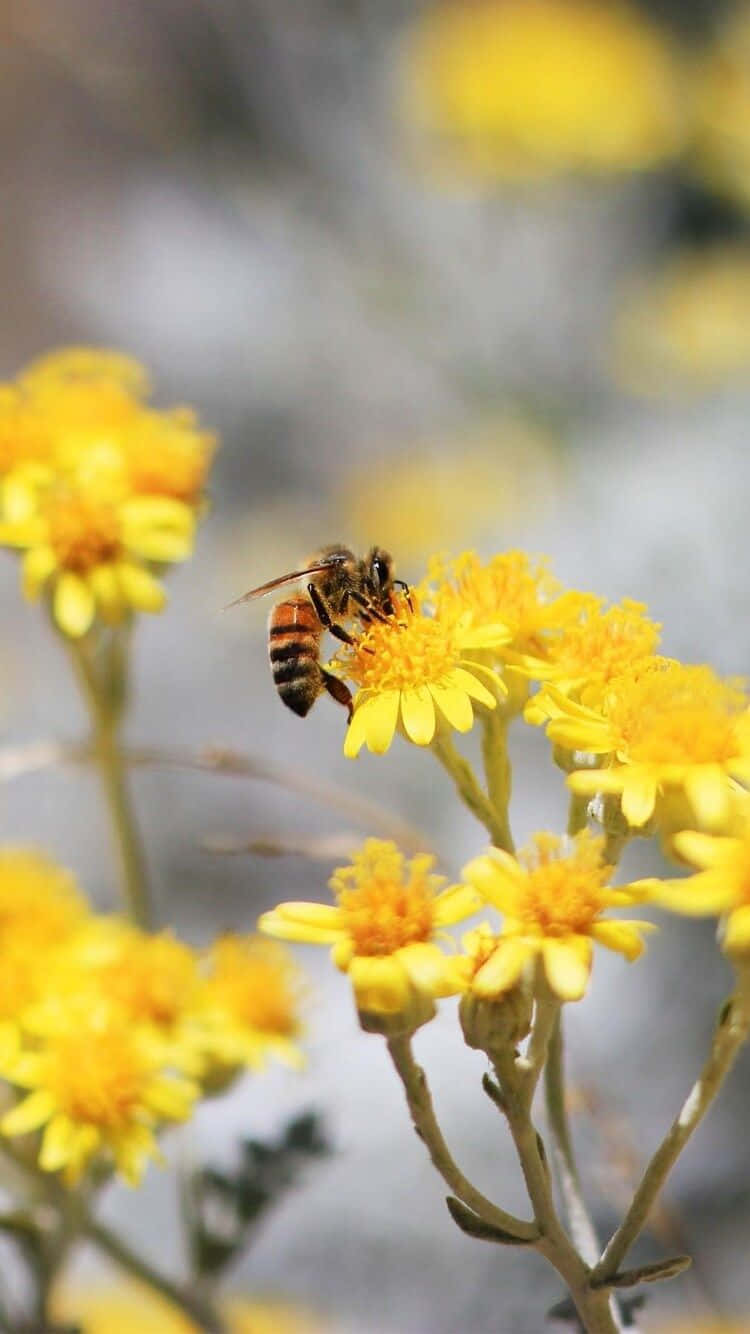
(338, 586)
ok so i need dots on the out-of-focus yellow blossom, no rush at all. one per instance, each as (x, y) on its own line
(721, 887)
(248, 1009)
(98, 1086)
(721, 109)
(664, 728)
(517, 89)
(168, 454)
(552, 897)
(383, 927)
(592, 646)
(92, 550)
(419, 670)
(446, 492)
(686, 328)
(40, 903)
(137, 1310)
(508, 588)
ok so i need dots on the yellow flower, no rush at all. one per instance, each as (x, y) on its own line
(551, 897)
(591, 647)
(722, 885)
(92, 550)
(382, 929)
(686, 327)
(516, 89)
(98, 1087)
(721, 132)
(67, 367)
(665, 729)
(417, 669)
(136, 1309)
(40, 903)
(249, 1005)
(168, 454)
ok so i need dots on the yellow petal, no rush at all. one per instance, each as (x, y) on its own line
(638, 797)
(418, 714)
(73, 604)
(587, 782)
(105, 586)
(704, 895)
(57, 1143)
(139, 588)
(426, 967)
(36, 568)
(455, 903)
(503, 968)
(380, 983)
(455, 706)
(703, 850)
(356, 732)
(567, 963)
(589, 737)
(314, 923)
(498, 878)
(29, 1114)
(707, 790)
(620, 936)
(380, 714)
(466, 681)
(736, 932)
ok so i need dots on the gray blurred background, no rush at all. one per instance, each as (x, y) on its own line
(396, 346)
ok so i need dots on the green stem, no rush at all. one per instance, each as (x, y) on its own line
(469, 789)
(103, 693)
(187, 1301)
(578, 811)
(419, 1100)
(730, 1034)
(498, 772)
(579, 1221)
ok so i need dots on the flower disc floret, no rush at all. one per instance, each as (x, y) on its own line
(418, 669)
(382, 930)
(663, 727)
(98, 1087)
(248, 1009)
(551, 896)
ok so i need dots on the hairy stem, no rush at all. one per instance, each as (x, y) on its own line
(730, 1034)
(418, 1097)
(498, 772)
(469, 789)
(187, 1301)
(103, 691)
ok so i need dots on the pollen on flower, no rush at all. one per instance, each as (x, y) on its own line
(507, 588)
(256, 983)
(676, 714)
(406, 651)
(603, 643)
(385, 902)
(84, 530)
(563, 887)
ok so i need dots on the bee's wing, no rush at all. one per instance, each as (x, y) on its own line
(283, 579)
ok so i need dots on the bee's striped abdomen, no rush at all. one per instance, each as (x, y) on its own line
(294, 635)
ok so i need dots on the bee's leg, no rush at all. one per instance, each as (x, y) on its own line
(338, 691)
(370, 610)
(399, 583)
(324, 616)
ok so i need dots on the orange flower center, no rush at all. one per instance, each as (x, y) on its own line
(84, 531)
(405, 651)
(254, 983)
(506, 589)
(562, 893)
(605, 644)
(97, 1077)
(153, 980)
(677, 715)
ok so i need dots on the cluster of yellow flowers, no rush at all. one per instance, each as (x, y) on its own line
(648, 745)
(98, 489)
(109, 1033)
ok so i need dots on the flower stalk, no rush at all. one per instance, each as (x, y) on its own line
(102, 679)
(469, 789)
(498, 772)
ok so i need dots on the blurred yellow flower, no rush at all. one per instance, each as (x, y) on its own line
(517, 89)
(98, 1086)
(686, 328)
(92, 550)
(134, 1309)
(444, 492)
(383, 927)
(40, 903)
(721, 109)
(418, 670)
(248, 1009)
(664, 728)
(551, 896)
